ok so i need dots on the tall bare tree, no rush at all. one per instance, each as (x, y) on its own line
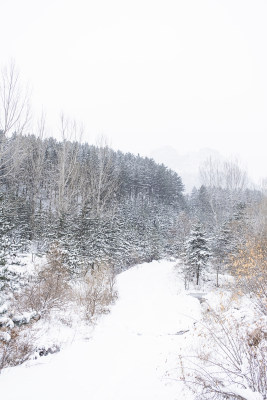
(14, 101)
(68, 166)
(221, 178)
(103, 179)
(227, 175)
(14, 118)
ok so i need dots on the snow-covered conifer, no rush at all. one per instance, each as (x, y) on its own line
(197, 252)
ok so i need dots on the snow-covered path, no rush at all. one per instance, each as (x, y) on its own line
(130, 351)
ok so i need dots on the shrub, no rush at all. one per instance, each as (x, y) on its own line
(15, 347)
(250, 268)
(234, 366)
(49, 288)
(96, 291)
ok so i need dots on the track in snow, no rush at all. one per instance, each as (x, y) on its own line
(131, 349)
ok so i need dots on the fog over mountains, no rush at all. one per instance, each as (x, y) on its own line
(186, 165)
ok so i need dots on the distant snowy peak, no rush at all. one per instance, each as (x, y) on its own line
(186, 165)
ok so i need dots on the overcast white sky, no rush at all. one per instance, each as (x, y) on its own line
(148, 73)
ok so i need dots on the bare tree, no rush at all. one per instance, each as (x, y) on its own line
(103, 178)
(210, 173)
(223, 178)
(14, 102)
(14, 118)
(227, 175)
(68, 166)
(34, 170)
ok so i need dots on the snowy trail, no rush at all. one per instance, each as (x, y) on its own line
(130, 351)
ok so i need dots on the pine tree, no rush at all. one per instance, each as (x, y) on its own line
(6, 227)
(223, 245)
(197, 252)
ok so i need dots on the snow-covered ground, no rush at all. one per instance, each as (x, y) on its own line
(132, 353)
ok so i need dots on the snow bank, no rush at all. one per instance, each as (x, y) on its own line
(24, 318)
(5, 337)
(6, 322)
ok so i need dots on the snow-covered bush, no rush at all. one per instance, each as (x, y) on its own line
(231, 363)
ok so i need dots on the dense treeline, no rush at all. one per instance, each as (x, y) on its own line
(97, 203)
(103, 205)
